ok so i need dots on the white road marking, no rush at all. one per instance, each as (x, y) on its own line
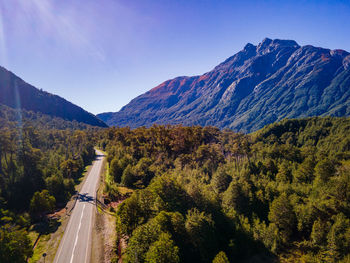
(87, 247)
(92, 213)
(89, 187)
(69, 226)
(76, 239)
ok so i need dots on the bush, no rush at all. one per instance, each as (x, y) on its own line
(221, 258)
(128, 178)
(42, 202)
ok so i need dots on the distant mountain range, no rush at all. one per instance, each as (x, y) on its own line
(16, 93)
(259, 85)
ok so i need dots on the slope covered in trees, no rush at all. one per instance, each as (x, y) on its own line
(10, 117)
(39, 167)
(204, 195)
(17, 94)
(200, 194)
(259, 85)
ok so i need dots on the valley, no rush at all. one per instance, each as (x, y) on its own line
(249, 162)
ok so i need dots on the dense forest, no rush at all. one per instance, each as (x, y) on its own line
(206, 195)
(200, 194)
(41, 159)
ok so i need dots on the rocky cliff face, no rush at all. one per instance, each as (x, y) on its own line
(16, 93)
(259, 85)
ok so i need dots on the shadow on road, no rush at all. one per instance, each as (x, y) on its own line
(89, 199)
(85, 198)
(98, 157)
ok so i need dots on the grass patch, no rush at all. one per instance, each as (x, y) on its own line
(86, 170)
(108, 177)
(125, 190)
(44, 229)
(33, 236)
(41, 247)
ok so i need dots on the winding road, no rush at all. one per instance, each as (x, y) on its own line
(75, 245)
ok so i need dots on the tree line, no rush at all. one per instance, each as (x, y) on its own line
(39, 167)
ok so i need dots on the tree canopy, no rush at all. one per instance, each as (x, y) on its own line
(282, 189)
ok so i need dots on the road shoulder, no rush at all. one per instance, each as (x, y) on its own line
(103, 232)
(49, 243)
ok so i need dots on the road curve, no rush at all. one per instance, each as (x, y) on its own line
(75, 245)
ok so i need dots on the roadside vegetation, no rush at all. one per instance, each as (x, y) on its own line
(205, 195)
(39, 168)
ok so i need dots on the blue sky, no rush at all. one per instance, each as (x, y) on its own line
(99, 54)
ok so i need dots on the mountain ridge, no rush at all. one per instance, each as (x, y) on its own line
(260, 84)
(16, 93)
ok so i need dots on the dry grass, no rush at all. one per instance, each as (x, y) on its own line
(103, 234)
(124, 190)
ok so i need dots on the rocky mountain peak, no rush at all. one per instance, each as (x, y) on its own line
(268, 45)
(248, 47)
(259, 85)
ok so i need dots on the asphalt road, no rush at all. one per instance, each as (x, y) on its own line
(75, 245)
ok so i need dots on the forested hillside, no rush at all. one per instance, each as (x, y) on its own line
(39, 167)
(10, 117)
(17, 94)
(205, 195)
(200, 194)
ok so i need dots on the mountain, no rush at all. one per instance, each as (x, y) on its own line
(13, 118)
(259, 85)
(16, 93)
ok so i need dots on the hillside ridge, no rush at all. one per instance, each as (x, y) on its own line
(16, 93)
(260, 84)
